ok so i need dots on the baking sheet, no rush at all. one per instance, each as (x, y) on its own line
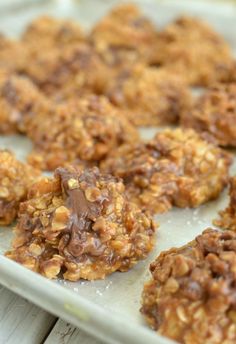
(109, 309)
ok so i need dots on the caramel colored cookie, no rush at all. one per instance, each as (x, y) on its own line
(152, 96)
(124, 36)
(12, 54)
(191, 296)
(15, 180)
(20, 101)
(76, 67)
(215, 113)
(79, 224)
(178, 167)
(190, 47)
(87, 130)
(46, 32)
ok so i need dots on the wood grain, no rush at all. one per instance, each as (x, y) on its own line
(64, 333)
(21, 321)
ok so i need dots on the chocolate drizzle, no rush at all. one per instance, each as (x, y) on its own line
(83, 212)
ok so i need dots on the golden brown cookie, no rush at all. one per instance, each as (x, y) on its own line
(20, 101)
(177, 167)
(124, 36)
(79, 224)
(86, 129)
(191, 296)
(15, 180)
(214, 113)
(76, 67)
(12, 54)
(190, 47)
(46, 32)
(152, 96)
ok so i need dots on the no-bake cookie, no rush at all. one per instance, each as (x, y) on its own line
(87, 130)
(76, 67)
(215, 113)
(124, 36)
(79, 224)
(12, 54)
(191, 296)
(193, 49)
(177, 167)
(15, 180)
(46, 32)
(152, 96)
(20, 101)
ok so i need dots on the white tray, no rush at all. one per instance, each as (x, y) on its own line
(109, 309)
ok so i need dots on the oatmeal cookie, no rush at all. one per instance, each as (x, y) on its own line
(152, 96)
(80, 224)
(177, 167)
(192, 48)
(12, 54)
(20, 101)
(124, 36)
(227, 218)
(232, 73)
(87, 129)
(215, 113)
(15, 180)
(46, 32)
(74, 66)
(191, 296)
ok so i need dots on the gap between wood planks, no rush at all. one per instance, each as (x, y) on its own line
(22, 322)
(64, 333)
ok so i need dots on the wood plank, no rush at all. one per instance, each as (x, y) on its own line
(64, 333)
(21, 321)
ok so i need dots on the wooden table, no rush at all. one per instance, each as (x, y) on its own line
(24, 323)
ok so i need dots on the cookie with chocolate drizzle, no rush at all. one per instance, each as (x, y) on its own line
(80, 224)
(191, 295)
